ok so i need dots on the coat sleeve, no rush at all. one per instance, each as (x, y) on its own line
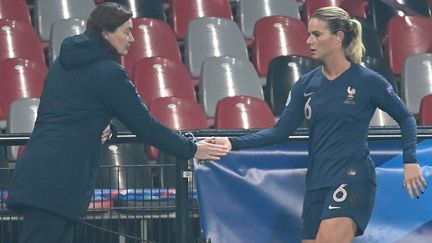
(119, 96)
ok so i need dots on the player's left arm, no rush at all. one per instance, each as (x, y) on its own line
(387, 100)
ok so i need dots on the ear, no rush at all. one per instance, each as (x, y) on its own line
(105, 35)
(340, 36)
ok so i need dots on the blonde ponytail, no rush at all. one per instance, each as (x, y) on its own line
(355, 50)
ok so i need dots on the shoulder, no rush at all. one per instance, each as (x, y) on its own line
(109, 76)
(366, 74)
(316, 72)
(309, 77)
(110, 71)
(368, 77)
(111, 68)
(373, 82)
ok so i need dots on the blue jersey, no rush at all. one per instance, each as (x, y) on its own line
(338, 113)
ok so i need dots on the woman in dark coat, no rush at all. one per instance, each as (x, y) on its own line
(84, 89)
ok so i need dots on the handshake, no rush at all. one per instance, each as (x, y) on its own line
(212, 148)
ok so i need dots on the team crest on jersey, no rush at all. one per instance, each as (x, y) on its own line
(350, 96)
(390, 90)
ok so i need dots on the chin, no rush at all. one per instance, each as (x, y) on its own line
(315, 56)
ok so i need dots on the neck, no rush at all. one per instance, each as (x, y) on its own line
(335, 68)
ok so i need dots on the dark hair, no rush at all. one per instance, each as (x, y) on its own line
(107, 16)
(338, 19)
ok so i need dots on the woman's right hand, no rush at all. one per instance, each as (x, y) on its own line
(222, 141)
(207, 149)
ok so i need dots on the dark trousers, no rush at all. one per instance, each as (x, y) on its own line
(40, 226)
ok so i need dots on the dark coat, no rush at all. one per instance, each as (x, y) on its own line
(84, 89)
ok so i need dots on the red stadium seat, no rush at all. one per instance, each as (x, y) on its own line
(19, 39)
(248, 12)
(353, 7)
(15, 10)
(21, 78)
(177, 114)
(243, 112)
(183, 11)
(152, 38)
(278, 36)
(425, 115)
(157, 77)
(407, 35)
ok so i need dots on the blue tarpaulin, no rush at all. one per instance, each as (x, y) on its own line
(256, 195)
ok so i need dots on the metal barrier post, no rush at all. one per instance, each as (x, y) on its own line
(182, 207)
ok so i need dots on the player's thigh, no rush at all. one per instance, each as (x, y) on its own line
(340, 229)
(308, 241)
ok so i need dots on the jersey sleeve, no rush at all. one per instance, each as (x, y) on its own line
(385, 98)
(288, 122)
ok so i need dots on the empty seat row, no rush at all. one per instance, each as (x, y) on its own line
(275, 22)
(247, 12)
(279, 35)
(181, 12)
(220, 77)
(274, 36)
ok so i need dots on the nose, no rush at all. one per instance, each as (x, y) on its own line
(131, 38)
(308, 40)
